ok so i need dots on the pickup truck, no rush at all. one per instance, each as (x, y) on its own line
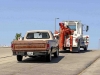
(36, 43)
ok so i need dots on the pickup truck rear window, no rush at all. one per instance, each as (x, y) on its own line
(38, 35)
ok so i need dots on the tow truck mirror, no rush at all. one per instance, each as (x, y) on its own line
(87, 28)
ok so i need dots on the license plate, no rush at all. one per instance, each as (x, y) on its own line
(29, 53)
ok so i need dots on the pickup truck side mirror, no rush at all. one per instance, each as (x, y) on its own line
(87, 28)
(22, 38)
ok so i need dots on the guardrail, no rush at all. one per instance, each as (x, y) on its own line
(5, 47)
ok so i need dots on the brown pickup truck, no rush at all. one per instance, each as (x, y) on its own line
(36, 43)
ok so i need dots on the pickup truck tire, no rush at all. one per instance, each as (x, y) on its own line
(19, 58)
(49, 57)
(56, 54)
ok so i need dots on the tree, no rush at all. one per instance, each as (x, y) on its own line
(17, 36)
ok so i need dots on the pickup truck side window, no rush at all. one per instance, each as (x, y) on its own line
(38, 35)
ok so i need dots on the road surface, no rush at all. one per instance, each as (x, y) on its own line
(5, 52)
(84, 63)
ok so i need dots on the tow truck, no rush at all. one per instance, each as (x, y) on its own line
(71, 37)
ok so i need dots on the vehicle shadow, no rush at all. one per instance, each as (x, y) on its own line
(81, 51)
(41, 60)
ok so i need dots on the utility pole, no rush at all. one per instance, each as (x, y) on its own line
(55, 23)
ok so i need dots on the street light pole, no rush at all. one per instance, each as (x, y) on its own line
(55, 23)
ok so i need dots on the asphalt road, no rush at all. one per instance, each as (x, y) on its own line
(84, 63)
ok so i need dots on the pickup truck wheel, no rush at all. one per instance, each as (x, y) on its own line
(56, 54)
(48, 57)
(19, 58)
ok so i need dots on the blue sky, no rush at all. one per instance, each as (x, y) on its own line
(18, 16)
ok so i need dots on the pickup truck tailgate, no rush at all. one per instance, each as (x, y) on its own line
(29, 45)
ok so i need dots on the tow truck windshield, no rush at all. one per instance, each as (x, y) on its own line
(72, 27)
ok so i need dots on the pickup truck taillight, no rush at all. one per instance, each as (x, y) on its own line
(12, 45)
(48, 45)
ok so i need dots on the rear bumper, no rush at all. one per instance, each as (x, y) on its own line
(33, 53)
